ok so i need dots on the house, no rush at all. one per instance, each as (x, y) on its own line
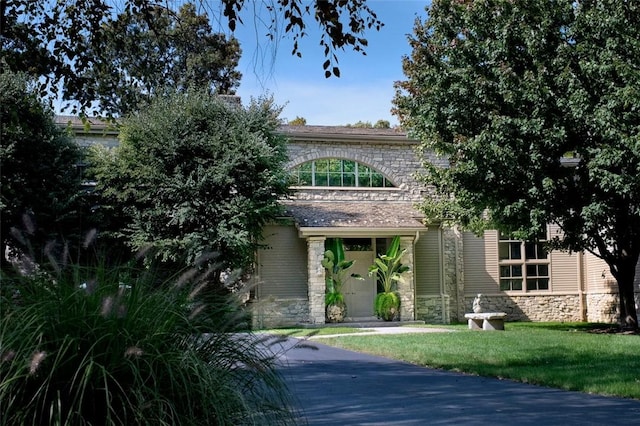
(359, 184)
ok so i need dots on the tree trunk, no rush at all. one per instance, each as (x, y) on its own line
(624, 273)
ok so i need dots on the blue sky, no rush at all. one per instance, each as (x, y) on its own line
(362, 93)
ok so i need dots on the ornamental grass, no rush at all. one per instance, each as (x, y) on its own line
(111, 346)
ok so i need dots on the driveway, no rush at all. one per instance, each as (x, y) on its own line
(339, 387)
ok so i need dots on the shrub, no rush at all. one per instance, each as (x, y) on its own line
(110, 346)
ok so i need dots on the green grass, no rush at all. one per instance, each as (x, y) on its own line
(564, 356)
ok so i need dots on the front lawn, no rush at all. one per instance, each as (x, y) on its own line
(566, 356)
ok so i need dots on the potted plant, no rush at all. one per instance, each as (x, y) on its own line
(388, 269)
(336, 274)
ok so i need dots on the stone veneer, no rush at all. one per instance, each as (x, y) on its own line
(271, 312)
(397, 161)
(453, 264)
(562, 308)
(406, 287)
(315, 250)
(433, 309)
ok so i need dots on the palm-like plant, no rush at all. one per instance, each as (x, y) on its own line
(388, 269)
(336, 267)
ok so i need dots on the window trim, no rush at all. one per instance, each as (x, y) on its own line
(523, 262)
(356, 174)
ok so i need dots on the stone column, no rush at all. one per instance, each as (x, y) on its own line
(315, 250)
(453, 252)
(406, 289)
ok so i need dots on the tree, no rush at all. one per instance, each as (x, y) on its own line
(40, 185)
(298, 121)
(382, 124)
(534, 105)
(196, 177)
(57, 40)
(143, 53)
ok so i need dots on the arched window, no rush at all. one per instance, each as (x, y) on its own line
(338, 172)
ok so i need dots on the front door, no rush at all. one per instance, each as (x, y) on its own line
(360, 295)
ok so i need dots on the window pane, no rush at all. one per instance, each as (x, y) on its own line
(364, 176)
(387, 183)
(543, 270)
(349, 179)
(349, 166)
(543, 283)
(503, 249)
(542, 252)
(516, 270)
(505, 271)
(376, 180)
(335, 179)
(505, 285)
(304, 178)
(532, 270)
(515, 251)
(516, 284)
(321, 180)
(532, 284)
(322, 166)
(530, 250)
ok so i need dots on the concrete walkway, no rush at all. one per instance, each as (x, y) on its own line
(339, 387)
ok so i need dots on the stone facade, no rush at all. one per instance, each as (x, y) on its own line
(406, 288)
(392, 154)
(315, 246)
(562, 308)
(270, 312)
(433, 309)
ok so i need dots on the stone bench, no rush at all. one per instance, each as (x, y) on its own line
(486, 320)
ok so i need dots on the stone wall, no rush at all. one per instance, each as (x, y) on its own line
(453, 264)
(561, 308)
(271, 312)
(397, 161)
(433, 309)
(406, 287)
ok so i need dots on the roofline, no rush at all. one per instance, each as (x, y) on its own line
(334, 134)
(351, 232)
(318, 134)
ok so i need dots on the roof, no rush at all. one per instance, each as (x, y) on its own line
(357, 216)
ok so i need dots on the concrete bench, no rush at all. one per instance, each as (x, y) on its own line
(486, 320)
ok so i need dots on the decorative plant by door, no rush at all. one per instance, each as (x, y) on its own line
(336, 274)
(388, 269)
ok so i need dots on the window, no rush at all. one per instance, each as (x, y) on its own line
(338, 172)
(524, 265)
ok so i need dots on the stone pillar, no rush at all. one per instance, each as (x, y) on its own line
(315, 250)
(406, 289)
(453, 274)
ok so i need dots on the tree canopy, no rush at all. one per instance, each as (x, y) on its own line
(40, 186)
(61, 42)
(144, 53)
(534, 103)
(196, 176)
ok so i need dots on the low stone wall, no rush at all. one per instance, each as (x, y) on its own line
(433, 309)
(562, 308)
(602, 307)
(270, 312)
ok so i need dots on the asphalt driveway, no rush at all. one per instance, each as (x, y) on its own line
(339, 387)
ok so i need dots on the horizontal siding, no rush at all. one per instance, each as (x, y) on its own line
(565, 274)
(481, 272)
(597, 275)
(282, 266)
(427, 254)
